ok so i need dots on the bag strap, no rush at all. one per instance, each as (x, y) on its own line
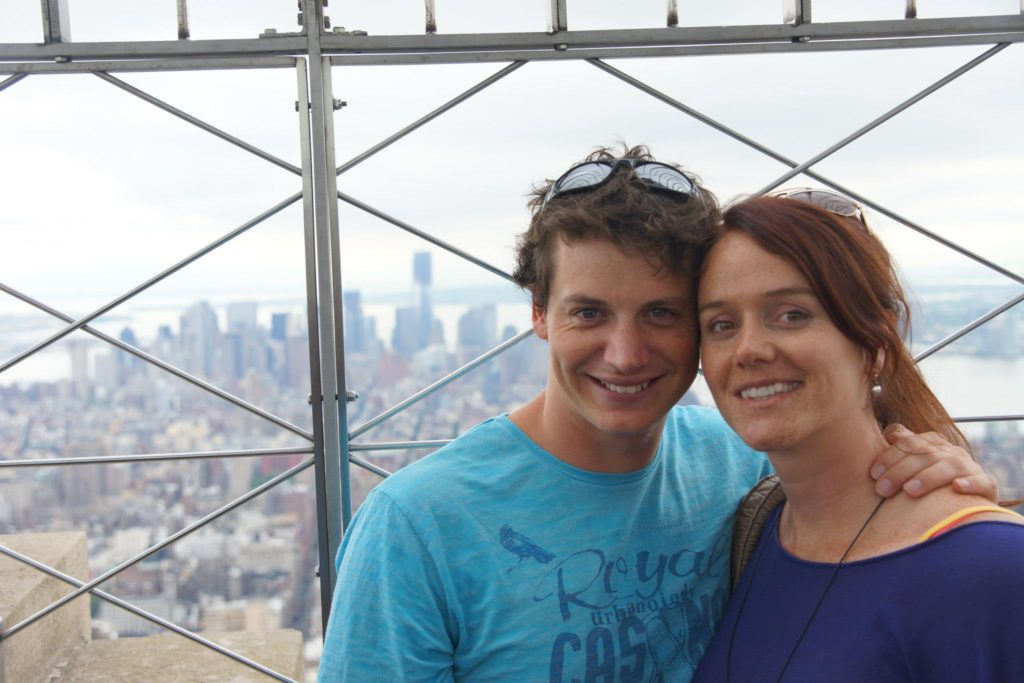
(751, 516)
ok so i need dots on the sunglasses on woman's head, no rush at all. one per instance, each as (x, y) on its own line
(591, 175)
(833, 202)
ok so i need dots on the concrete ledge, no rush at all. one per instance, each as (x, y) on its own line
(30, 654)
(174, 658)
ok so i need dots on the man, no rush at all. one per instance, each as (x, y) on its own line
(584, 536)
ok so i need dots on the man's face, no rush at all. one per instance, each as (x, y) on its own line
(623, 340)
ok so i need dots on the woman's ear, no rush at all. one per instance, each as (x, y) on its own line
(879, 364)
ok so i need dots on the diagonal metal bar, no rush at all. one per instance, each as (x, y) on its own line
(167, 367)
(753, 144)
(367, 465)
(490, 80)
(903, 106)
(690, 111)
(152, 281)
(152, 457)
(444, 381)
(398, 445)
(423, 235)
(8, 82)
(224, 509)
(963, 251)
(970, 327)
(989, 418)
(148, 616)
(199, 123)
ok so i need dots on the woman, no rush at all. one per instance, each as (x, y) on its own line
(800, 318)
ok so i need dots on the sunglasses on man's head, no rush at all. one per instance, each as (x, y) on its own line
(833, 202)
(591, 175)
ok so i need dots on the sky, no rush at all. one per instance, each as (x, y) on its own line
(100, 190)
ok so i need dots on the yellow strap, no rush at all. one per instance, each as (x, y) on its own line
(959, 515)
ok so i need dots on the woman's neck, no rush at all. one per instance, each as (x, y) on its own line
(829, 493)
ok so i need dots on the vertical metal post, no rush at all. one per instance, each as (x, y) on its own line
(431, 16)
(56, 22)
(796, 12)
(324, 554)
(559, 19)
(673, 14)
(325, 191)
(183, 32)
(911, 11)
(330, 105)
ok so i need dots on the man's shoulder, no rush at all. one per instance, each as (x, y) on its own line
(701, 423)
(457, 463)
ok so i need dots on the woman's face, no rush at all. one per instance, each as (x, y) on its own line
(781, 372)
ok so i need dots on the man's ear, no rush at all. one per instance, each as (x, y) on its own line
(540, 321)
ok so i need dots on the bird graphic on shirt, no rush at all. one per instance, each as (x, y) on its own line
(522, 547)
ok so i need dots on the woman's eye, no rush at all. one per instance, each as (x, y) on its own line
(718, 326)
(794, 316)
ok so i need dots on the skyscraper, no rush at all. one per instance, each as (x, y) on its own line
(356, 340)
(421, 301)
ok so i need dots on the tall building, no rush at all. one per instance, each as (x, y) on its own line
(404, 336)
(356, 340)
(79, 349)
(279, 326)
(200, 336)
(421, 300)
(242, 316)
(478, 329)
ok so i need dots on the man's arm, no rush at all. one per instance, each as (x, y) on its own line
(922, 463)
(389, 620)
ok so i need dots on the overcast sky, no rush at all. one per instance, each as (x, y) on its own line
(100, 190)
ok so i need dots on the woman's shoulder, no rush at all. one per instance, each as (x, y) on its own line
(909, 521)
(947, 508)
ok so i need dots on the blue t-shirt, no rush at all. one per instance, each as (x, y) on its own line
(949, 610)
(493, 560)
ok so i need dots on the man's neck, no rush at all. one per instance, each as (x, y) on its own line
(579, 444)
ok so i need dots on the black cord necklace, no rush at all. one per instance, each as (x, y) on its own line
(817, 605)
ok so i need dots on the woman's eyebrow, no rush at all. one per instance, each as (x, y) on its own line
(770, 294)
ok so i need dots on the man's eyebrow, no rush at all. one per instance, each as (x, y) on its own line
(583, 300)
(771, 294)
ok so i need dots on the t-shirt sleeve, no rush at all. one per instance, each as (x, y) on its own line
(389, 619)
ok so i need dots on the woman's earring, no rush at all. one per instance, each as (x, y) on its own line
(876, 387)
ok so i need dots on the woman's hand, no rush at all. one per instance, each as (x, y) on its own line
(922, 463)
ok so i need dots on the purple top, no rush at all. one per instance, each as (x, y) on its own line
(949, 609)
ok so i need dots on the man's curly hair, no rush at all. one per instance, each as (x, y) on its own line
(670, 232)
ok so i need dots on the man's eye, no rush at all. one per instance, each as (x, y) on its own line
(587, 313)
(660, 313)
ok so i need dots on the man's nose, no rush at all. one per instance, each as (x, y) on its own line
(627, 348)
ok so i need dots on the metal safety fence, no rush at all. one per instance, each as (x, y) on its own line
(313, 53)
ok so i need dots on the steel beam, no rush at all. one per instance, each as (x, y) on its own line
(631, 42)
(152, 457)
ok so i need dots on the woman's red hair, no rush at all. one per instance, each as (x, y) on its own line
(853, 277)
